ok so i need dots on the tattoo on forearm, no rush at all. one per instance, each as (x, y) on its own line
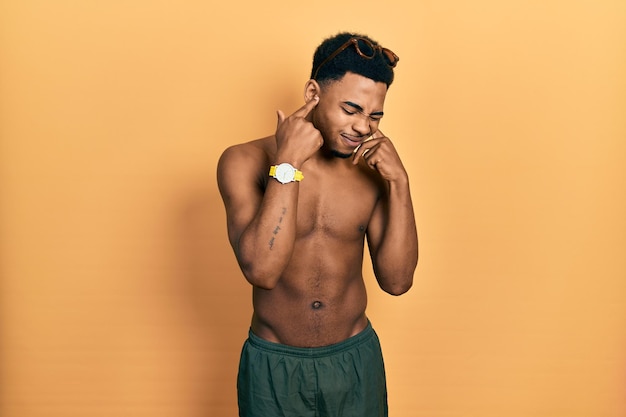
(277, 228)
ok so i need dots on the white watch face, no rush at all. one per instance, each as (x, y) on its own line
(285, 173)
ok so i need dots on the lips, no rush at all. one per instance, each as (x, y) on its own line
(352, 141)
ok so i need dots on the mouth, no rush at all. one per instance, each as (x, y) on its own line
(352, 141)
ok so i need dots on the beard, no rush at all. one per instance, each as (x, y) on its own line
(331, 151)
(340, 154)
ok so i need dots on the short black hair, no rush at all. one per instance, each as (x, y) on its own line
(348, 60)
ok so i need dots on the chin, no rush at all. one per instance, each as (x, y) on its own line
(337, 153)
(341, 154)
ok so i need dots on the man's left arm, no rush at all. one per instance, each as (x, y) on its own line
(391, 233)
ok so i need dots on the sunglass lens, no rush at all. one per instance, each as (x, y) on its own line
(366, 48)
(390, 57)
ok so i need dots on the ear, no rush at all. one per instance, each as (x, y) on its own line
(311, 89)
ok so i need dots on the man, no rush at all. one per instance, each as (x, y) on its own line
(300, 205)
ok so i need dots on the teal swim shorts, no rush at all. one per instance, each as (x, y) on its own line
(346, 379)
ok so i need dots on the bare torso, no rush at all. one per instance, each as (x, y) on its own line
(320, 298)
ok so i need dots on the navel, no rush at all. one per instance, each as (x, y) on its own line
(316, 305)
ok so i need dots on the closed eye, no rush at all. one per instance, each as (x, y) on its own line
(346, 111)
(373, 117)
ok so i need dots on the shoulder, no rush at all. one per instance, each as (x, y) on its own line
(255, 149)
(254, 153)
(245, 160)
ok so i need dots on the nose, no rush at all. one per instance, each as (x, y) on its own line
(361, 125)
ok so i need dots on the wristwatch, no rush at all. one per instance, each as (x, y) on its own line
(285, 173)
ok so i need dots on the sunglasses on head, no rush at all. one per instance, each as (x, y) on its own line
(366, 49)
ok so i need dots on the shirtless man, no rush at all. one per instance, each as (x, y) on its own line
(300, 205)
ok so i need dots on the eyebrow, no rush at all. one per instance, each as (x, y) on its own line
(360, 109)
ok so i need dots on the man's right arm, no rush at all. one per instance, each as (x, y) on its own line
(261, 222)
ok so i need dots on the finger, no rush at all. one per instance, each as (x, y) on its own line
(308, 106)
(281, 117)
(373, 136)
(376, 135)
(365, 151)
(373, 162)
(365, 147)
(362, 144)
(357, 155)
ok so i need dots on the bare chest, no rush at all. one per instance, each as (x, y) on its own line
(335, 207)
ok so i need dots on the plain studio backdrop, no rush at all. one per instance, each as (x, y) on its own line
(120, 295)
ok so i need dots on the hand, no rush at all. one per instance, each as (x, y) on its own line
(296, 137)
(379, 153)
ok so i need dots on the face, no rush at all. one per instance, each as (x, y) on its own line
(348, 112)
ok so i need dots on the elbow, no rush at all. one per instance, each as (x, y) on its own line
(258, 277)
(398, 288)
(396, 282)
(398, 285)
(257, 272)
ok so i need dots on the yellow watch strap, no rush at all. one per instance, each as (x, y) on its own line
(298, 176)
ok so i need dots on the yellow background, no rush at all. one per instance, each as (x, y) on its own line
(120, 295)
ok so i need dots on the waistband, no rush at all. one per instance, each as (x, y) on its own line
(315, 352)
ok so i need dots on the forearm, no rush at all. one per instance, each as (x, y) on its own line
(265, 246)
(396, 258)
